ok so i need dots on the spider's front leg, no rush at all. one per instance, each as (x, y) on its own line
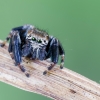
(53, 53)
(15, 48)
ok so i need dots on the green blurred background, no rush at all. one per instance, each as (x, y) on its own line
(76, 23)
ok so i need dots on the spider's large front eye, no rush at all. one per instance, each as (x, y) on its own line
(39, 41)
(33, 39)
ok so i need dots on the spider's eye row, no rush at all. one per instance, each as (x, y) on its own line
(39, 41)
(33, 39)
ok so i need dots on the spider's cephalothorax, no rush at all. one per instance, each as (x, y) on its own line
(38, 43)
(31, 42)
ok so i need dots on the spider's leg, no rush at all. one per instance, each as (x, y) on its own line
(54, 53)
(29, 68)
(62, 62)
(27, 63)
(62, 53)
(26, 54)
(5, 41)
(16, 49)
(10, 48)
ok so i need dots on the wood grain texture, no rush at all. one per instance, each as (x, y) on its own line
(57, 84)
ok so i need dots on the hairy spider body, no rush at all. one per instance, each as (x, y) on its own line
(28, 41)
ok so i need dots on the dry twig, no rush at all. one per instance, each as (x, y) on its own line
(58, 84)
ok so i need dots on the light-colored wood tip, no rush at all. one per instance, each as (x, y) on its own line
(58, 84)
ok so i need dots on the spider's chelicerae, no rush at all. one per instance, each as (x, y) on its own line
(31, 42)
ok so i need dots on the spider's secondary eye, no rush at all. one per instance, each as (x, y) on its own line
(44, 40)
(33, 39)
(29, 36)
(39, 41)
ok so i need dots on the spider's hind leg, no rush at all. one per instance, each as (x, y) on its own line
(62, 62)
(62, 53)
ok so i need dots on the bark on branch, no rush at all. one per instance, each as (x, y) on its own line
(58, 84)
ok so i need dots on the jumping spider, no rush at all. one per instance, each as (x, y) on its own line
(31, 42)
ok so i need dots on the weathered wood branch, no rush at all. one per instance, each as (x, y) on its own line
(58, 84)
